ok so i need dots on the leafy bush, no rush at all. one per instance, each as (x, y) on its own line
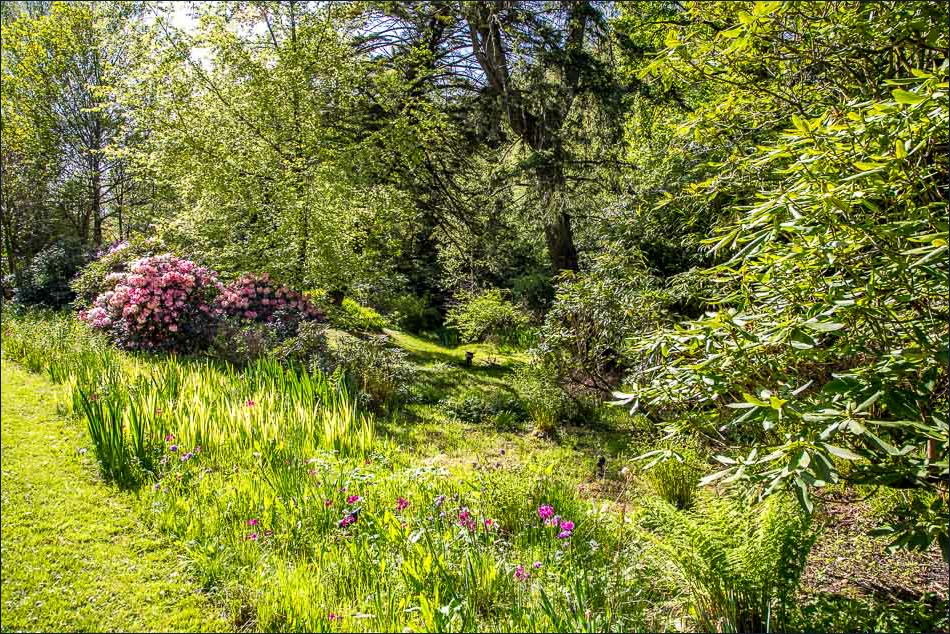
(162, 303)
(382, 373)
(535, 290)
(674, 475)
(349, 315)
(258, 298)
(542, 396)
(240, 342)
(412, 313)
(585, 333)
(475, 406)
(740, 567)
(103, 273)
(488, 316)
(837, 324)
(46, 281)
(308, 348)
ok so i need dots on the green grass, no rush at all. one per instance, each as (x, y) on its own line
(74, 557)
(285, 450)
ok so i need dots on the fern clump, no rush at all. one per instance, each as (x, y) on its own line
(740, 566)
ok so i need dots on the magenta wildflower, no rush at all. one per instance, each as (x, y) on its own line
(169, 437)
(328, 502)
(252, 537)
(253, 522)
(489, 523)
(188, 456)
(537, 565)
(521, 574)
(333, 617)
(545, 511)
(567, 525)
(401, 504)
(249, 403)
(353, 499)
(439, 500)
(349, 519)
(564, 535)
(466, 520)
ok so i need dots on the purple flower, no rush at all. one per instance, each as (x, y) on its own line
(253, 522)
(439, 500)
(252, 537)
(537, 565)
(187, 456)
(521, 574)
(169, 437)
(173, 448)
(353, 499)
(564, 535)
(401, 504)
(567, 525)
(249, 403)
(545, 511)
(349, 519)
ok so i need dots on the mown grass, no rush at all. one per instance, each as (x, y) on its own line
(74, 556)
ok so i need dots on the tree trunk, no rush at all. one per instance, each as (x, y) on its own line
(557, 221)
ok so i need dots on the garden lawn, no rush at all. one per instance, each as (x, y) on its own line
(73, 556)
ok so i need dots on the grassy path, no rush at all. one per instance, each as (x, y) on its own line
(73, 556)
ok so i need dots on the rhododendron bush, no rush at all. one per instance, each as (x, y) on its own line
(161, 303)
(259, 298)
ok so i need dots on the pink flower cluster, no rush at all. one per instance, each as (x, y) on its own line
(258, 297)
(565, 527)
(161, 303)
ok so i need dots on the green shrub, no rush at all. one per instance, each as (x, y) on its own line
(308, 349)
(674, 475)
(475, 406)
(412, 313)
(45, 282)
(383, 374)
(349, 315)
(488, 316)
(364, 317)
(544, 400)
(535, 290)
(739, 566)
(239, 342)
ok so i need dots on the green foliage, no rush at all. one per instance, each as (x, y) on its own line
(673, 475)
(308, 349)
(477, 406)
(46, 281)
(740, 566)
(349, 315)
(544, 399)
(382, 373)
(241, 342)
(412, 313)
(594, 313)
(830, 342)
(488, 316)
